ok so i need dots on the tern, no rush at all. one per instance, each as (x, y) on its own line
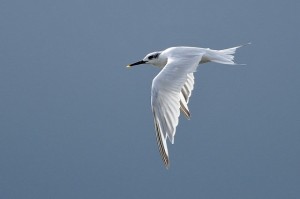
(173, 86)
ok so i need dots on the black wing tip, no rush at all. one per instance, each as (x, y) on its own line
(166, 160)
(162, 151)
(167, 165)
(186, 113)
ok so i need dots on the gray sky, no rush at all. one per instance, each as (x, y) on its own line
(75, 123)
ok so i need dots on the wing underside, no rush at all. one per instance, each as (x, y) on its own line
(171, 90)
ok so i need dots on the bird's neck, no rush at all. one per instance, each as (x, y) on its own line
(161, 62)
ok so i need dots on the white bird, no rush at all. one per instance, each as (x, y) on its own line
(172, 87)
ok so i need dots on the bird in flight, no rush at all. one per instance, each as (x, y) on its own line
(172, 87)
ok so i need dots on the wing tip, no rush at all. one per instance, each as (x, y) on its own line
(162, 146)
(185, 111)
(167, 166)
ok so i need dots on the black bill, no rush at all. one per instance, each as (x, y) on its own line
(137, 63)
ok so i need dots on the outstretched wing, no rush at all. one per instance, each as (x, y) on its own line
(166, 98)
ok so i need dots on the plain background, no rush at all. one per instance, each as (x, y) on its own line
(76, 123)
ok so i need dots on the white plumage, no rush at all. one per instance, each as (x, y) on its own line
(172, 87)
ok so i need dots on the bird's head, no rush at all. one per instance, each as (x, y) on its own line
(152, 58)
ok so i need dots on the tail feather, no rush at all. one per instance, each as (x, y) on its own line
(225, 56)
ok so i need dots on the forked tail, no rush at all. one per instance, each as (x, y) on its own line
(225, 56)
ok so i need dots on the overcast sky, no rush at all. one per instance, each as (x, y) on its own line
(76, 123)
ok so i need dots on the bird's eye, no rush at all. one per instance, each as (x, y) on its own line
(150, 57)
